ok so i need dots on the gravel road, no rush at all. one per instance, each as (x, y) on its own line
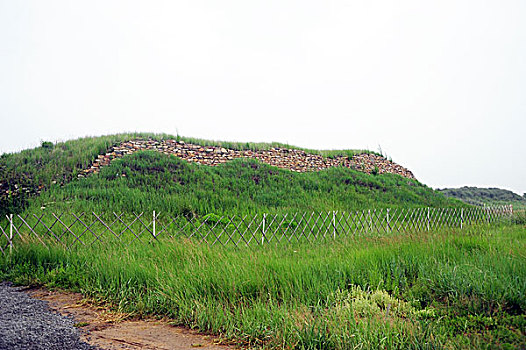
(28, 324)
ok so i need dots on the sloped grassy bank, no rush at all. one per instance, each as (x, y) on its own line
(149, 181)
(430, 290)
(25, 174)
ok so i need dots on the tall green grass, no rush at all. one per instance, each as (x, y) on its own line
(41, 167)
(147, 181)
(429, 290)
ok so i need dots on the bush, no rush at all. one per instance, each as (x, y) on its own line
(46, 144)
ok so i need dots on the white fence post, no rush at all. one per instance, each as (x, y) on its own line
(461, 218)
(10, 233)
(154, 235)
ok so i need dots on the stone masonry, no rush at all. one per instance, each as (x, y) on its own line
(292, 159)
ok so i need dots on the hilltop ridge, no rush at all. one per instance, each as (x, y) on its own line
(487, 196)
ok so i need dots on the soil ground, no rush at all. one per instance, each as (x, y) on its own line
(105, 329)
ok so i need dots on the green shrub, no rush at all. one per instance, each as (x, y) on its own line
(46, 144)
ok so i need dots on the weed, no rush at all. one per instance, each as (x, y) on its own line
(81, 324)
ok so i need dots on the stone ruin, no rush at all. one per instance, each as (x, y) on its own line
(291, 159)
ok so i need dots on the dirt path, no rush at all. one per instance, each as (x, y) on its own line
(109, 330)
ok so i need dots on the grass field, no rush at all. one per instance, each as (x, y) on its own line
(445, 289)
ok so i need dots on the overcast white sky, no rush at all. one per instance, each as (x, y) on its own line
(439, 85)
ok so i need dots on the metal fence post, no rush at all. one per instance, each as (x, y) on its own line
(263, 235)
(154, 235)
(10, 233)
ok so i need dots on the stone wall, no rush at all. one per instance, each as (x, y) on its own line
(292, 159)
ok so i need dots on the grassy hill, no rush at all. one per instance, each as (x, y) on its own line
(488, 196)
(47, 177)
(442, 288)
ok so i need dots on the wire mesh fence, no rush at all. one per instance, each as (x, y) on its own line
(86, 229)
